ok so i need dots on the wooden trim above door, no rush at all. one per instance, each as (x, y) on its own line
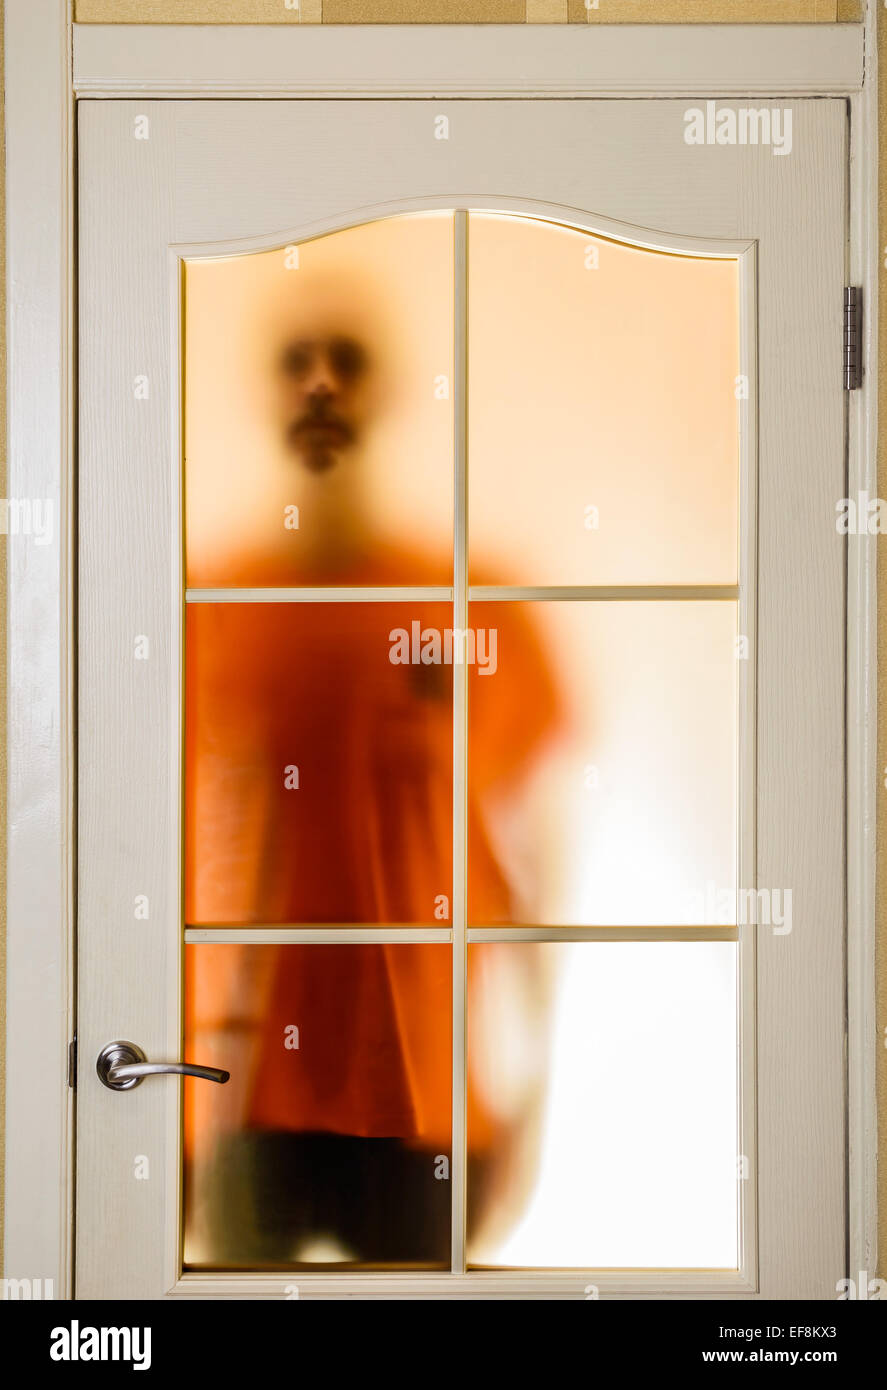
(499, 60)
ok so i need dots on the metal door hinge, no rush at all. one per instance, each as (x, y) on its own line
(852, 337)
(72, 1063)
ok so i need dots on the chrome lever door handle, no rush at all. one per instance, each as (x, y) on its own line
(123, 1065)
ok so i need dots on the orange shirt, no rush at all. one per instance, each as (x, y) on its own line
(361, 833)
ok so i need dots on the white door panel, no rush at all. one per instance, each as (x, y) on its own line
(215, 173)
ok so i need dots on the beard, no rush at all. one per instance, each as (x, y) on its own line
(318, 435)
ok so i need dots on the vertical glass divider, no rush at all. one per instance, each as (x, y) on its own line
(459, 1156)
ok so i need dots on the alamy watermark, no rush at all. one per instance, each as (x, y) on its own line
(434, 646)
(742, 125)
(766, 907)
(26, 1290)
(86, 1343)
(27, 516)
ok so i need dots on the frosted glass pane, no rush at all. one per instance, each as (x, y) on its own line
(318, 774)
(623, 810)
(614, 1088)
(325, 1145)
(603, 417)
(318, 410)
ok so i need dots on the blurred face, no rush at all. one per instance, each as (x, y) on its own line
(325, 395)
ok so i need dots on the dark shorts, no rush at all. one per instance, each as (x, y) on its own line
(268, 1194)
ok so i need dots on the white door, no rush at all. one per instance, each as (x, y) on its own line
(460, 603)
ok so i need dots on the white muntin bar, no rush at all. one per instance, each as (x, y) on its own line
(291, 934)
(477, 593)
(623, 934)
(609, 593)
(459, 1154)
(418, 594)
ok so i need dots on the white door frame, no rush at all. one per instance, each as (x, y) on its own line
(50, 62)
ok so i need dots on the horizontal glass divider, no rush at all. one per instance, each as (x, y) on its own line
(477, 593)
(349, 935)
(416, 594)
(345, 935)
(485, 593)
(671, 933)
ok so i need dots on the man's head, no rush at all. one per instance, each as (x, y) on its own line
(329, 346)
(325, 394)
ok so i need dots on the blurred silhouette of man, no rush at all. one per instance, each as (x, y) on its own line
(326, 1145)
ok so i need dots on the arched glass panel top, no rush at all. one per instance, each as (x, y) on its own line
(603, 420)
(319, 411)
(323, 404)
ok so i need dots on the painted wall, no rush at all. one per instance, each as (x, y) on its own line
(510, 12)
